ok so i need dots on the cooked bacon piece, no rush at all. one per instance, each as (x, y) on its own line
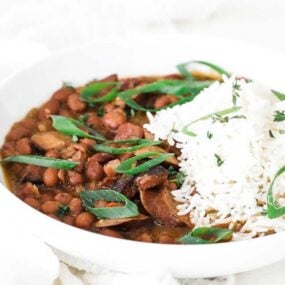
(152, 178)
(160, 205)
(50, 140)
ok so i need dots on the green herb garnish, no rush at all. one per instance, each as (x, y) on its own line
(89, 92)
(62, 211)
(136, 144)
(219, 160)
(209, 135)
(235, 92)
(279, 95)
(184, 68)
(279, 116)
(41, 161)
(273, 209)
(217, 116)
(176, 176)
(180, 178)
(238, 117)
(88, 198)
(100, 111)
(177, 88)
(271, 134)
(206, 235)
(126, 166)
(70, 127)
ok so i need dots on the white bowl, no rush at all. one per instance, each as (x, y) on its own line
(137, 56)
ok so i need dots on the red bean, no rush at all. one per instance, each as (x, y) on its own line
(94, 121)
(164, 100)
(125, 156)
(75, 178)
(94, 170)
(75, 206)
(46, 197)
(84, 220)
(28, 123)
(114, 119)
(89, 143)
(145, 237)
(110, 78)
(33, 202)
(49, 108)
(65, 112)
(23, 146)
(164, 238)
(111, 233)
(102, 157)
(17, 133)
(62, 94)
(8, 149)
(50, 177)
(54, 217)
(68, 220)
(129, 131)
(109, 107)
(75, 104)
(52, 153)
(61, 175)
(63, 198)
(50, 207)
(27, 190)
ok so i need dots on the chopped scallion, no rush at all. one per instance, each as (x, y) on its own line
(126, 166)
(88, 198)
(206, 235)
(41, 161)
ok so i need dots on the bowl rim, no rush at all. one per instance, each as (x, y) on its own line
(115, 242)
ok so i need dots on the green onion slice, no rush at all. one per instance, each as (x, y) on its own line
(69, 126)
(273, 210)
(88, 93)
(126, 166)
(206, 235)
(137, 144)
(88, 198)
(184, 68)
(41, 161)
(279, 95)
(206, 117)
(177, 88)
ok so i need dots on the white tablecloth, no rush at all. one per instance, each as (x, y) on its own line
(32, 29)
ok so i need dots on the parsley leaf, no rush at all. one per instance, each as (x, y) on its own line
(209, 135)
(279, 116)
(219, 160)
(176, 176)
(62, 211)
(235, 92)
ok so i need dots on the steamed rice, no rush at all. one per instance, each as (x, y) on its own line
(250, 149)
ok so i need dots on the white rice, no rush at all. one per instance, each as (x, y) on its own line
(236, 191)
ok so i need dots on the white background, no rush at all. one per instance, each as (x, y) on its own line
(33, 29)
